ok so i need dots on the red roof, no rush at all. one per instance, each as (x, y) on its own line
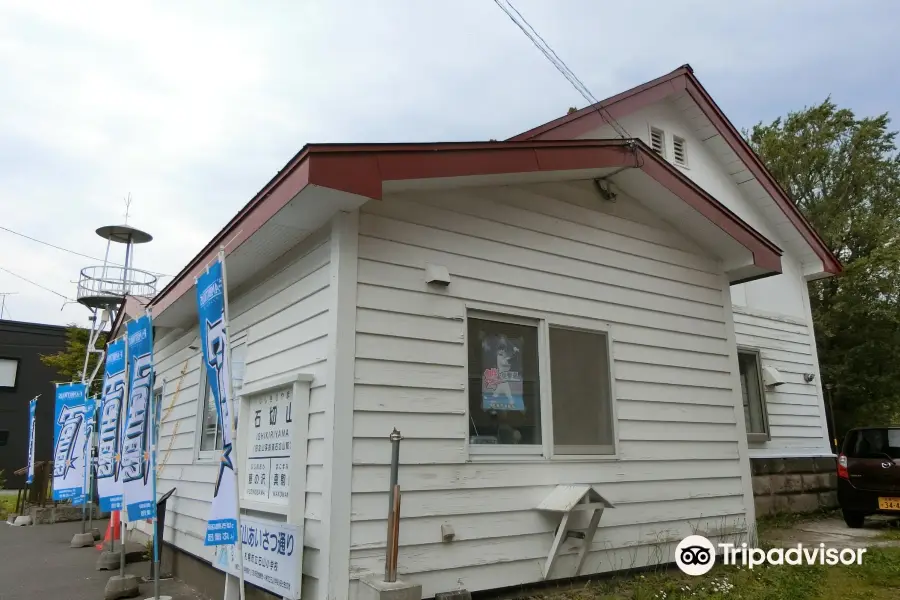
(362, 169)
(683, 79)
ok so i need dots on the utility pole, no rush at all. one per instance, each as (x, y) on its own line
(3, 296)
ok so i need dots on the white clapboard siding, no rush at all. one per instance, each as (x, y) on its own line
(794, 408)
(281, 317)
(528, 249)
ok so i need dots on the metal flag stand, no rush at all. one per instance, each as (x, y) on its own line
(154, 444)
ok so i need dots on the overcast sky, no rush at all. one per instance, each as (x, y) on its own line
(192, 107)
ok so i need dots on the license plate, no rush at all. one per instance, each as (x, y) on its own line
(889, 503)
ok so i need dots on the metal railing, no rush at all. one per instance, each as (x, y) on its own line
(106, 281)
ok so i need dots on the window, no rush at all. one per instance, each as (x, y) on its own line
(4, 436)
(504, 386)
(658, 141)
(679, 151)
(9, 369)
(752, 393)
(582, 407)
(210, 432)
(873, 443)
(507, 413)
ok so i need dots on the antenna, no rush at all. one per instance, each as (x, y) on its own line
(103, 289)
(127, 206)
(3, 296)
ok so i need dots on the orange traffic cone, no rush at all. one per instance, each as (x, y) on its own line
(112, 529)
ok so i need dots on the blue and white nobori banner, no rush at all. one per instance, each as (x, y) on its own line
(137, 483)
(222, 525)
(109, 484)
(69, 441)
(90, 410)
(32, 407)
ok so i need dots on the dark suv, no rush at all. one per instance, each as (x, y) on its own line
(869, 473)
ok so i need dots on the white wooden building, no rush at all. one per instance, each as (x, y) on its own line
(624, 275)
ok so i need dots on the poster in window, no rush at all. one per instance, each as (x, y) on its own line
(501, 379)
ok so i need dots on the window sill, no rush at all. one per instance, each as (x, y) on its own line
(539, 459)
(208, 458)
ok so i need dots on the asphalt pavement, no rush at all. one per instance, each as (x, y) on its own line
(36, 563)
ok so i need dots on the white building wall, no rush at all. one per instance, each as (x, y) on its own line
(682, 461)
(282, 317)
(770, 314)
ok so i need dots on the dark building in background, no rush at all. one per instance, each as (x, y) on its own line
(22, 377)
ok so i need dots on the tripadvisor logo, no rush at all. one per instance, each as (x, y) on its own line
(696, 555)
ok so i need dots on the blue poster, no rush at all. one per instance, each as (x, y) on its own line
(90, 408)
(137, 479)
(69, 441)
(501, 381)
(32, 407)
(221, 527)
(109, 485)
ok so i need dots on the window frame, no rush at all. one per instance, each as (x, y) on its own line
(204, 456)
(214, 455)
(546, 450)
(766, 435)
(15, 385)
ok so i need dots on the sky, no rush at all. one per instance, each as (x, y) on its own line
(191, 107)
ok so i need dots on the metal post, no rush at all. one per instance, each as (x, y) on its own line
(831, 412)
(390, 554)
(121, 544)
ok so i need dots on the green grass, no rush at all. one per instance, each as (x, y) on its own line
(878, 578)
(7, 503)
(765, 525)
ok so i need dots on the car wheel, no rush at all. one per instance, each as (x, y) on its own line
(854, 520)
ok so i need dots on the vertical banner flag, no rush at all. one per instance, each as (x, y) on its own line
(109, 483)
(90, 409)
(32, 407)
(137, 485)
(222, 525)
(69, 441)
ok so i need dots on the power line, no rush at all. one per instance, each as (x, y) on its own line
(541, 44)
(28, 237)
(36, 284)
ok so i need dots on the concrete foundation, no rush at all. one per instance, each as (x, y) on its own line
(109, 561)
(82, 540)
(794, 485)
(22, 520)
(454, 595)
(43, 515)
(96, 534)
(372, 588)
(121, 587)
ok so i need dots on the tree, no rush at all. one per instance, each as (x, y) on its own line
(843, 172)
(70, 362)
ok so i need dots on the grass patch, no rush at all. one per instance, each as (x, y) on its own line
(7, 504)
(878, 578)
(787, 520)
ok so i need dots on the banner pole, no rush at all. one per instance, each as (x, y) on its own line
(123, 416)
(234, 417)
(154, 432)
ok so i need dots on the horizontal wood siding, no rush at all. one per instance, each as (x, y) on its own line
(549, 250)
(281, 318)
(795, 408)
